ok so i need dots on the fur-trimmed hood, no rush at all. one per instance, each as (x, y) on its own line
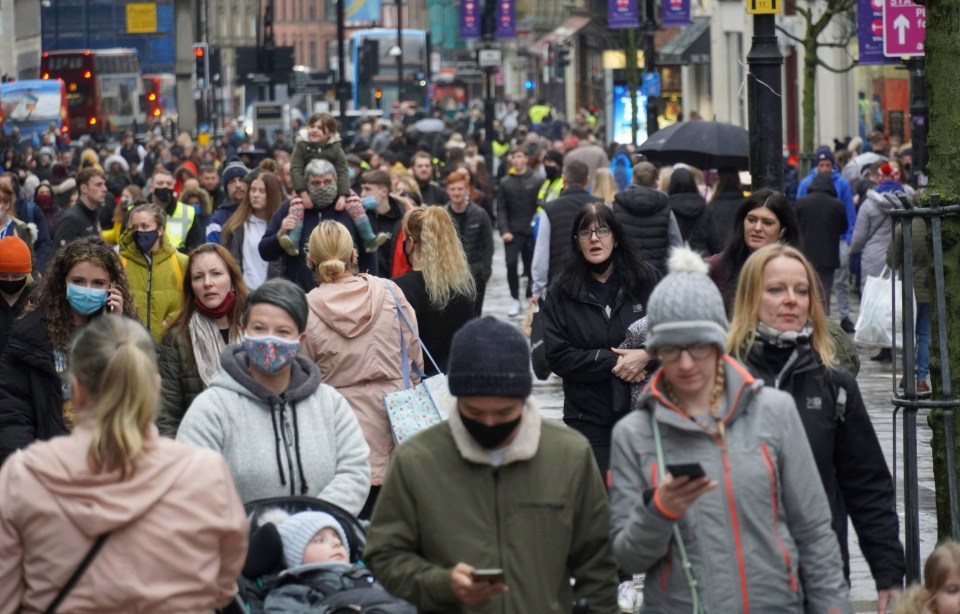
(523, 447)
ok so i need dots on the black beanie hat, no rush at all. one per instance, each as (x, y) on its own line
(554, 156)
(489, 358)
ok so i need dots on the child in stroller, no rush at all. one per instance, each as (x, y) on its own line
(308, 561)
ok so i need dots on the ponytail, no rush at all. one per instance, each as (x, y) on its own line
(442, 260)
(115, 360)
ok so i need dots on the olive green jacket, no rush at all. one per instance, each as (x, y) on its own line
(541, 516)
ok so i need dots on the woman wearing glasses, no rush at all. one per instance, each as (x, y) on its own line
(711, 494)
(599, 293)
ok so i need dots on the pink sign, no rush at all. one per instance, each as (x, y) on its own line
(904, 28)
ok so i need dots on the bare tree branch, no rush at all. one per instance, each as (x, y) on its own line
(792, 37)
(835, 70)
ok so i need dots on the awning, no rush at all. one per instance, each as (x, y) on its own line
(691, 46)
(566, 30)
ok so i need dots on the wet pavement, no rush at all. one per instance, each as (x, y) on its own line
(876, 384)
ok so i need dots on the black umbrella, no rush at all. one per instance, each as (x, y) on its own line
(702, 144)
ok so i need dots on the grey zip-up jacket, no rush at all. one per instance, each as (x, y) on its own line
(759, 542)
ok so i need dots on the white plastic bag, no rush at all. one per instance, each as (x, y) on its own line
(875, 323)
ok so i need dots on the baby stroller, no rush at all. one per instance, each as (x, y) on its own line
(265, 562)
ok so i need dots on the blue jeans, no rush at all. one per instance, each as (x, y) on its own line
(923, 340)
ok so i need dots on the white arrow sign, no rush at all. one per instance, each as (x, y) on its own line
(901, 24)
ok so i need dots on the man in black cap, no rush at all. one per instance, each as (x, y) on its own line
(516, 526)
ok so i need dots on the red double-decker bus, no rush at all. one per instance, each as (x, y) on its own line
(103, 89)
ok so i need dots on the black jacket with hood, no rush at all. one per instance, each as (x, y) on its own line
(823, 220)
(847, 452)
(645, 215)
(690, 209)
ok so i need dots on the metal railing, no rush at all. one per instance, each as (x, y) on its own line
(910, 402)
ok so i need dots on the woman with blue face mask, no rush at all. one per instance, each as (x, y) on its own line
(83, 281)
(154, 269)
(281, 430)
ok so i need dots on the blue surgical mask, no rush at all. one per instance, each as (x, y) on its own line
(86, 301)
(352, 172)
(270, 354)
(369, 202)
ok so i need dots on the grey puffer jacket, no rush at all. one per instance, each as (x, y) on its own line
(761, 541)
(874, 231)
(331, 588)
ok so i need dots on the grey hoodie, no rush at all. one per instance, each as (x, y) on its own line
(306, 441)
(761, 540)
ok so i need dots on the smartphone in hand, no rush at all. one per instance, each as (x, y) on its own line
(493, 576)
(691, 470)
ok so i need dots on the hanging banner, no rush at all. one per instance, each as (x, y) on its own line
(622, 14)
(675, 13)
(506, 19)
(470, 19)
(362, 10)
(870, 33)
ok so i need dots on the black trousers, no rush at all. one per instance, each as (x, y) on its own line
(521, 248)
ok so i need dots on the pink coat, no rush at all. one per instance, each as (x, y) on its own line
(353, 334)
(178, 532)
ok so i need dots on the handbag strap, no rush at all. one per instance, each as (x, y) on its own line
(91, 554)
(403, 345)
(698, 607)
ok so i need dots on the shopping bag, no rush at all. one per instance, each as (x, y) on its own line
(415, 409)
(880, 314)
(419, 407)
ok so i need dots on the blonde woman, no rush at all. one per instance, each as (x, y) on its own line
(440, 288)
(116, 484)
(353, 335)
(604, 186)
(779, 331)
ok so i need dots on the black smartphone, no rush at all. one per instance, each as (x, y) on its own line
(493, 576)
(691, 470)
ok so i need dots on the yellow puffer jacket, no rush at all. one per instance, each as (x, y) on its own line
(158, 288)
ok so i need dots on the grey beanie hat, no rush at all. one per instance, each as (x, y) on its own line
(686, 307)
(489, 358)
(297, 531)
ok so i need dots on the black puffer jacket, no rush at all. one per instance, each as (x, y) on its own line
(645, 215)
(476, 235)
(518, 203)
(328, 589)
(578, 335)
(823, 220)
(848, 455)
(690, 209)
(181, 383)
(31, 388)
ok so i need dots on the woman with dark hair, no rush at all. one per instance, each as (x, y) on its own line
(281, 430)
(214, 296)
(688, 207)
(600, 292)
(84, 280)
(764, 218)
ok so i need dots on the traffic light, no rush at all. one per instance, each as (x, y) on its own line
(202, 65)
(488, 19)
(562, 60)
(368, 60)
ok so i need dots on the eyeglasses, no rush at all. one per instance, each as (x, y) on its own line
(602, 232)
(672, 353)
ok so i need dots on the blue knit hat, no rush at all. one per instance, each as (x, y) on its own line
(489, 358)
(233, 169)
(824, 153)
(297, 531)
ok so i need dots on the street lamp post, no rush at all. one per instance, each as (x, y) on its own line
(765, 101)
(399, 53)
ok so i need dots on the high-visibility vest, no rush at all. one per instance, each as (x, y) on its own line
(538, 113)
(179, 225)
(500, 148)
(549, 191)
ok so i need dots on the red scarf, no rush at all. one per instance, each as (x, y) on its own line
(218, 312)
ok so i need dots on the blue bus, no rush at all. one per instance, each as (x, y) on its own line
(31, 106)
(380, 89)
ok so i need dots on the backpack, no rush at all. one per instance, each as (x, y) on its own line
(620, 167)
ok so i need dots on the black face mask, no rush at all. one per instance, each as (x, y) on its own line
(490, 437)
(12, 286)
(599, 268)
(552, 172)
(163, 195)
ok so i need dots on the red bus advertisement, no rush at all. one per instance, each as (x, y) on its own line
(103, 89)
(31, 106)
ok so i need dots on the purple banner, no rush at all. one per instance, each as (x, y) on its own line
(870, 33)
(675, 13)
(506, 19)
(470, 19)
(622, 14)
